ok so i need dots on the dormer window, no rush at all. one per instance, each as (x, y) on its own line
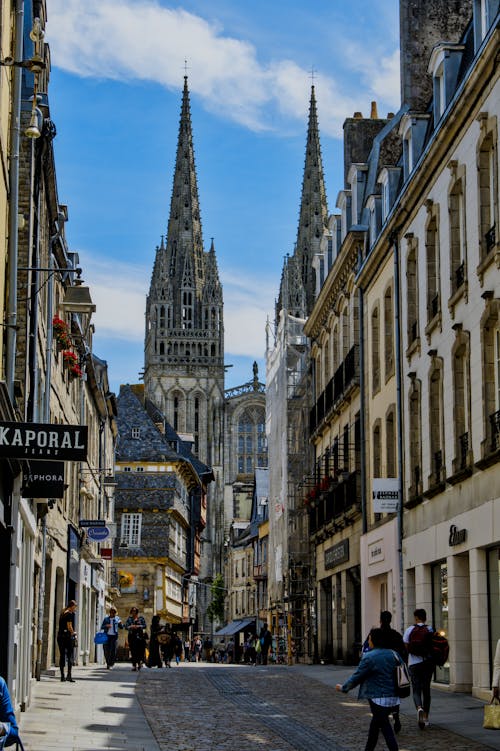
(356, 179)
(412, 130)
(389, 184)
(136, 433)
(484, 13)
(373, 205)
(444, 65)
(344, 204)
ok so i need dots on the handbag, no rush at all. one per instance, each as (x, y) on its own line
(101, 638)
(491, 720)
(402, 678)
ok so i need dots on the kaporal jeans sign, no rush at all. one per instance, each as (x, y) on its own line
(43, 441)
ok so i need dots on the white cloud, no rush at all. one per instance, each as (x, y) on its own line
(119, 292)
(123, 39)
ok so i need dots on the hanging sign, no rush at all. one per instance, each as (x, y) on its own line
(43, 480)
(385, 494)
(32, 440)
(98, 534)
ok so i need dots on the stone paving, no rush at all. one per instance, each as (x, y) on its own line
(204, 707)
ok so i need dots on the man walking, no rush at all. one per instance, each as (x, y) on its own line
(421, 667)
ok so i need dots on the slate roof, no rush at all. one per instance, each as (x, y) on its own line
(152, 445)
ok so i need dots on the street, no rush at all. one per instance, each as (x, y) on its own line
(204, 707)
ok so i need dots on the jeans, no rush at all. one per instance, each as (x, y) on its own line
(110, 649)
(380, 722)
(421, 677)
(66, 649)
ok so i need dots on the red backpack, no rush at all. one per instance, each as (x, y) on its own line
(419, 641)
(440, 649)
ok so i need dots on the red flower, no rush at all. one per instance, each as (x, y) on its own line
(69, 357)
(76, 371)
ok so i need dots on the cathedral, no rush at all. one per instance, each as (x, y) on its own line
(218, 432)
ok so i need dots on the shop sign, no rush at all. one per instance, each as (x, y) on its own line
(337, 554)
(92, 522)
(32, 440)
(107, 553)
(457, 536)
(376, 552)
(385, 495)
(97, 534)
(73, 555)
(43, 480)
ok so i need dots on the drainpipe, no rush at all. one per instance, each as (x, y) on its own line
(399, 418)
(362, 410)
(45, 419)
(15, 132)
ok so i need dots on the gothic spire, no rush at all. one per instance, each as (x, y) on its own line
(313, 215)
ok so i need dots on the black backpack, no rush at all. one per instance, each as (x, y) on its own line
(439, 648)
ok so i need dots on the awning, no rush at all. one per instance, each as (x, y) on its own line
(235, 626)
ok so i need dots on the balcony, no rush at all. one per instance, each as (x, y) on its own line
(331, 507)
(345, 377)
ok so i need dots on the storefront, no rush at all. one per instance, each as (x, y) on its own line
(380, 580)
(452, 569)
(339, 601)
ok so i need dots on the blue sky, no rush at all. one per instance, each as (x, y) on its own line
(115, 96)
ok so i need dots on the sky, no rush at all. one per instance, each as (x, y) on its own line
(117, 72)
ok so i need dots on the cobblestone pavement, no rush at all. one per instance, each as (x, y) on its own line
(236, 708)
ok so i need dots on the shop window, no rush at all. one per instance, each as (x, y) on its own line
(440, 612)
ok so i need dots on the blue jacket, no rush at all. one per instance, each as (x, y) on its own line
(7, 715)
(375, 675)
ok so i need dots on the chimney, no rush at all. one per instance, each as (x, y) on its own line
(359, 133)
(422, 25)
(374, 111)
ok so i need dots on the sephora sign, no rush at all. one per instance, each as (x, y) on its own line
(43, 441)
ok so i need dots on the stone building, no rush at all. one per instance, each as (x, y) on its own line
(287, 408)
(421, 209)
(54, 391)
(160, 506)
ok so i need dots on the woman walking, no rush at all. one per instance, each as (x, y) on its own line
(136, 627)
(66, 640)
(155, 660)
(375, 676)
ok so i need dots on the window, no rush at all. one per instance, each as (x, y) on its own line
(490, 329)
(432, 259)
(435, 422)
(488, 187)
(412, 294)
(252, 448)
(377, 452)
(457, 235)
(375, 330)
(461, 400)
(390, 433)
(136, 433)
(131, 530)
(388, 334)
(415, 438)
(187, 309)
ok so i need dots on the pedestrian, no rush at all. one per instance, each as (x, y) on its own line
(154, 659)
(221, 651)
(110, 626)
(66, 640)
(421, 667)
(375, 676)
(137, 638)
(166, 646)
(230, 650)
(9, 731)
(198, 646)
(393, 640)
(177, 648)
(266, 641)
(187, 649)
(207, 649)
(495, 682)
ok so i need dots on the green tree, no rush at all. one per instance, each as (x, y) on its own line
(215, 610)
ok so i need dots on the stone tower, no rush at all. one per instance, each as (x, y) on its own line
(298, 284)
(184, 338)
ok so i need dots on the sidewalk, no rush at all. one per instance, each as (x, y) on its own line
(460, 713)
(99, 711)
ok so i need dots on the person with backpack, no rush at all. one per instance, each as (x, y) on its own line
(418, 641)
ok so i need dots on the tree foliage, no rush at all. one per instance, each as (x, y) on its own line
(215, 610)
